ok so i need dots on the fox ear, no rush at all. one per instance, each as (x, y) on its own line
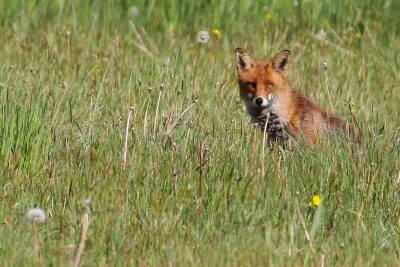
(281, 60)
(243, 59)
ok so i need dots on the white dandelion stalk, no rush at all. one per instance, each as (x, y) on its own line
(156, 116)
(327, 85)
(131, 109)
(36, 244)
(38, 216)
(85, 228)
(265, 135)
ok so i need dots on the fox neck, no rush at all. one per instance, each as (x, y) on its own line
(280, 106)
(268, 120)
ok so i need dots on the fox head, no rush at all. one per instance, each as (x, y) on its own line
(260, 81)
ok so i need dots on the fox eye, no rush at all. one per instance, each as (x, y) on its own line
(251, 85)
(270, 85)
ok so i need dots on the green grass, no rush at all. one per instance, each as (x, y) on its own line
(62, 134)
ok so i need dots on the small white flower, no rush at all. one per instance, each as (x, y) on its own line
(86, 202)
(36, 214)
(295, 4)
(203, 37)
(321, 34)
(133, 12)
(325, 65)
(167, 61)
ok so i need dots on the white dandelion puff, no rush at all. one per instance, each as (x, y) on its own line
(133, 12)
(203, 37)
(86, 202)
(321, 35)
(36, 214)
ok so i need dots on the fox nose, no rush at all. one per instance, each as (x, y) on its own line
(259, 101)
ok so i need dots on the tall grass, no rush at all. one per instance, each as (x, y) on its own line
(197, 195)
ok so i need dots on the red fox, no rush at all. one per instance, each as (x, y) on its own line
(271, 103)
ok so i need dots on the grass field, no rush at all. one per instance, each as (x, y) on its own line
(198, 188)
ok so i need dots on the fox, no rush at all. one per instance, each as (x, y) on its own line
(283, 113)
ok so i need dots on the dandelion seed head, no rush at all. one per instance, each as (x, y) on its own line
(36, 214)
(133, 12)
(86, 202)
(295, 3)
(321, 34)
(203, 37)
(167, 61)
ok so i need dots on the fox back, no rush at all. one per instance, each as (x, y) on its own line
(271, 102)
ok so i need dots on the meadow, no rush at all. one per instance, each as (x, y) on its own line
(198, 186)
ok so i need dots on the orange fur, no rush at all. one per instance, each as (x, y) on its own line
(265, 90)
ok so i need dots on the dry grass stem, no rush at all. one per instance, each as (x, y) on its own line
(131, 109)
(180, 117)
(303, 223)
(141, 45)
(85, 228)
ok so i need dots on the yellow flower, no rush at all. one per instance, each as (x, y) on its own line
(212, 57)
(18, 73)
(268, 17)
(316, 200)
(216, 32)
(190, 52)
(358, 35)
(96, 69)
